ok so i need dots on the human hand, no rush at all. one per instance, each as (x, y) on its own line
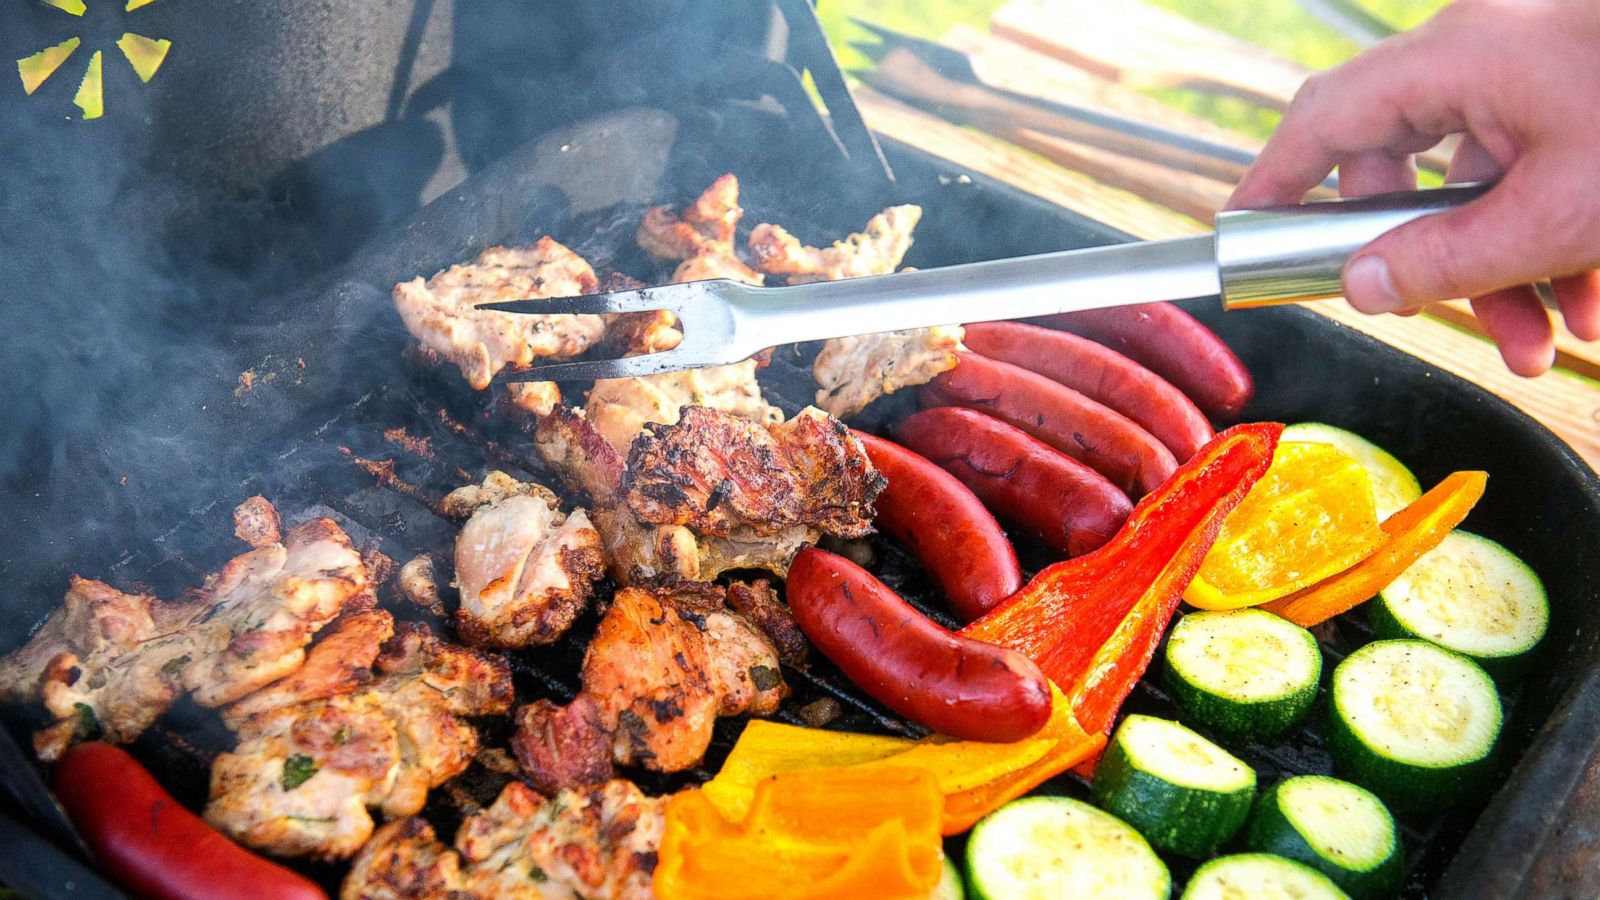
(1520, 80)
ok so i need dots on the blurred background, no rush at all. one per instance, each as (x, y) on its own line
(1303, 32)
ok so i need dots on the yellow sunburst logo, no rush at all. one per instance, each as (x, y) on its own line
(145, 55)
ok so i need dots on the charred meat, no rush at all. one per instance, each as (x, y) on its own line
(663, 665)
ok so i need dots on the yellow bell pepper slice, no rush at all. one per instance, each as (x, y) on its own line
(1408, 534)
(1310, 517)
(829, 833)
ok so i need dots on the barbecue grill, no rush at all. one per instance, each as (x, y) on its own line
(335, 417)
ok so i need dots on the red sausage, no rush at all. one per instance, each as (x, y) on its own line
(1102, 375)
(1171, 343)
(946, 527)
(957, 686)
(150, 845)
(1101, 438)
(1064, 503)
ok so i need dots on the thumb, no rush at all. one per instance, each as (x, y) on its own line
(1507, 237)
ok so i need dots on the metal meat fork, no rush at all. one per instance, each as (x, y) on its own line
(1255, 258)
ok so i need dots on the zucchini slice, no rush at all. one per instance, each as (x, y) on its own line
(1245, 673)
(1185, 794)
(1470, 595)
(1335, 827)
(1259, 876)
(1414, 722)
(1393, 485)
(1049, 847)
(949, 886)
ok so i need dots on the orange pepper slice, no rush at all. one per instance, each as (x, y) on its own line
(1408, 534)
(1310, 517)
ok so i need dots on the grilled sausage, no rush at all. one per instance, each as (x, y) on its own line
(946, 527)
(1099, 437)
(149, 844)
(1067, 505)
(1102, 375)
(1171, 343)
(956, 686)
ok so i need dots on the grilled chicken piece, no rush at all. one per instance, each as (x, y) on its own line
(642, 332)
(525, 570)
(303, 774)
(255, 522)
(823, 459)
(762, 608)
(419, 583)
(875, 250)
(705, 226)
(663, 665)
(112, 662)
(566, 745)
(708, 266)
(441, 311)
(715, 473)
(854, 371)
(620, 408)
(579, 845)
(536, 398)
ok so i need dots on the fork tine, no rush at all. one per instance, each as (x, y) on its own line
(584, 305)
(599, 369)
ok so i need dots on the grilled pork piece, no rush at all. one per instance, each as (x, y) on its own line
(716, 473)
(663, 665)
(831, 487)
(525, 570)
(112, 662)
(593, 844)
(442, 313)
(854, 371)
(312, 757)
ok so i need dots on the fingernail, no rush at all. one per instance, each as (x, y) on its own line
(1369, 287)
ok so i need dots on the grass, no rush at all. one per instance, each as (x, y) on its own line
(1278, 25)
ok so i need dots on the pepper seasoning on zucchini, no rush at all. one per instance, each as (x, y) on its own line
(1335, 827)
(1415, 723)
(1470, 595)
(1245, 674)
(1052, 847)
(1185, 794)
(1259, 876)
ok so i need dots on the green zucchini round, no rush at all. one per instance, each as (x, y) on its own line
(1051, 847)
(1341, 830)
(1246, 674)
(1415, 723)
(1472, 596)
(1185, 794)
(1259, 876)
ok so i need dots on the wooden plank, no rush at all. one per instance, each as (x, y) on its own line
(1143, 46)
(992, 157)
(1567, 405)
(1195, 196)
(1577, 356)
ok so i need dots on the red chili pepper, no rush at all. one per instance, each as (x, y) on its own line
(1093, 623)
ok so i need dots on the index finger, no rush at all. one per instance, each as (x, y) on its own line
(1394, 97)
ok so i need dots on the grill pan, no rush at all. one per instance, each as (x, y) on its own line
(332, 379)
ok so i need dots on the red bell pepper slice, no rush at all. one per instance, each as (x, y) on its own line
(1092, 623)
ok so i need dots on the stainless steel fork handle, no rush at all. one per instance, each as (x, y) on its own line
(1271, 256)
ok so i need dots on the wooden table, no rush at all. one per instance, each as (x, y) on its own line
(1030, 52)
